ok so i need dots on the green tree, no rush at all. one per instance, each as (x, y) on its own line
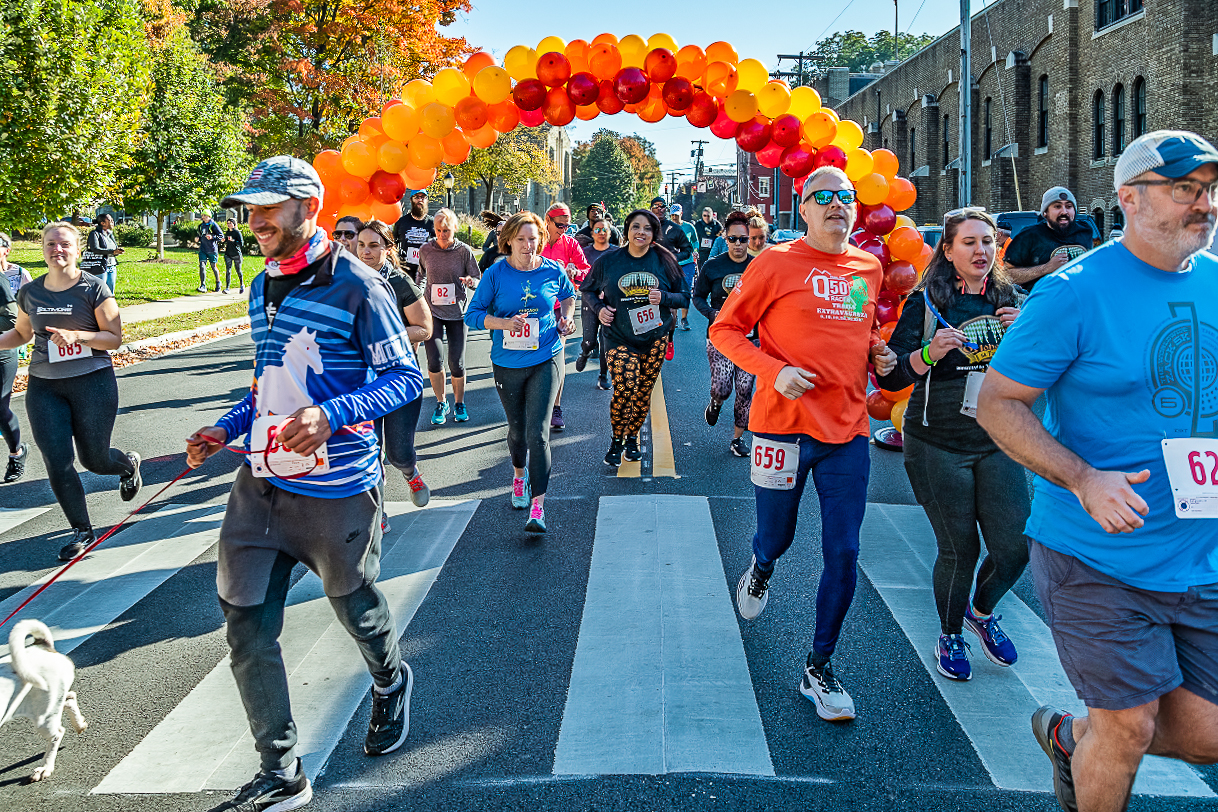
(518, 157)
(192, 144)
(642, 156)
(73, 79)
(852, 49)
(604, 176)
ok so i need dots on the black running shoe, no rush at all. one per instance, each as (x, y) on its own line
(712, 412)
(271, 793)
(685, 325)
(129, 486)
(613, 457)
(738, 447)
(1044, 726)
(16, 465)
(581, 361)
(80, 540)
(602, 383)
(390, 722)
(631, 450)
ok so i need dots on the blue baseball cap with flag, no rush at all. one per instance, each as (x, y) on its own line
(276, 180)
(1170, 153)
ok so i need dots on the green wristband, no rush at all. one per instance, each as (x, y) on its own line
(926, 356)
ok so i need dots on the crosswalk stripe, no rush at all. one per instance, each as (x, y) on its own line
(12, 517)
(994, 709)
(119, 574)
(204, 743)
(660, 682)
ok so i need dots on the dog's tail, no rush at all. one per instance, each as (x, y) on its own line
(16, 646)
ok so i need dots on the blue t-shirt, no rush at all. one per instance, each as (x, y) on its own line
(1112, 340)
(505, 291)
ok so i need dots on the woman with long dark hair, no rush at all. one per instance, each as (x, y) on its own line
(633, 293)
(949, 329)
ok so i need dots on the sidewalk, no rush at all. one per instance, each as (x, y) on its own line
(174, 307)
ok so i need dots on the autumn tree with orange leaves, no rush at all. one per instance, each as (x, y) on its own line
(311, 70)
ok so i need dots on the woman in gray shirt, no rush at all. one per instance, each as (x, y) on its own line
(450, 270)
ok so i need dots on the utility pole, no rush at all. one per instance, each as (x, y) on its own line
(896, 44)
(672, 186)
(797, 74)
(696, 154)
(965, 85)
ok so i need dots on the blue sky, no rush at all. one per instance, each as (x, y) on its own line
(497, 25)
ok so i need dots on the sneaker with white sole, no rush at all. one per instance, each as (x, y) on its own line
(951, 658)
(752, 591)
(995, 644)
(441, 413)
(129, 486)
(390, 721)
(81, 539)
(269, 792)
(520, 491)
(420, 494)
(822, 686)
(537, 520)
(460, 413)
(16, 464)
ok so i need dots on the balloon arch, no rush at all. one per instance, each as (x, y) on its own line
(438, 122)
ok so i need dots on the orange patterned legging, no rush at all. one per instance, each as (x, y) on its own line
(634, 376)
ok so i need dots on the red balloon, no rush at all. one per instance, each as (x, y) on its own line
(631, 85)
(529, 94)
(878, 406)
(754, 134)
(608, 101)
(829, 156)
(471, 113)
(386, 187)
(583, 88)
(786, 130)
(660, 65)
(877, 249)
(900, 277)
(885, 311)
(703, 110)
(559, 110)
(723, 126)
(553, 69)
(532, 118)
(797, 161)
(770, 156)
(678, 94)
(879, 219)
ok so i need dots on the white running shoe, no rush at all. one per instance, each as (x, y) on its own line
(821, 686)
(752, 592)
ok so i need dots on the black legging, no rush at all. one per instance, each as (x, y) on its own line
(455, 333)
(83, 409)
(593, 335)
(398, 436)
(231, 264)
(958, 493)
(10, 429)
(528, 396)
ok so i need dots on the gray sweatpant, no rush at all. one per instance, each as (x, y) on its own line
(266, 531)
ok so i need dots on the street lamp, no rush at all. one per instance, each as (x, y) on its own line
(449, 180)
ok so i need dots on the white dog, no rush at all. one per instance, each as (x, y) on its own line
(35, 685)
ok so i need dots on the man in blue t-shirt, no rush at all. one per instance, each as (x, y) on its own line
(1124, 524)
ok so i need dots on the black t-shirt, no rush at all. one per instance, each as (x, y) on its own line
(592, 254)
(673, 238)
(404, 288)
(715, 280)
(70, 309)
(706, 234)
(625, 282)
(209, 238)
(233, 243)
(8, 309)
(1035, 245)
(410, 234)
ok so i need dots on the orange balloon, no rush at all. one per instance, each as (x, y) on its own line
(352, 190)
(605, 39)
(503, 116)
(471, 113)
(401, 122)
(897, 397)
(884, 162)
(653, 109)
(393, 156)
(425, 152)
(360, 211)
(901, 194)
(386, 212)
(456, 148)
(587, 112)
(327, 220)
(871, 189)
(905, 243)
(376, 142)
(886, 330)
(477, 62)
(922, 261)
(370, 127)
(720, 80)
(417, 178)
(604, 61)
(818, 129)
(721, 52)
(691, 63)
(360, 159)
(578, 51)
(483, 137)
(329, 166)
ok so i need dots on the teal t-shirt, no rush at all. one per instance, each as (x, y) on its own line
(693, 239)
(1128, 356)
(504, 291)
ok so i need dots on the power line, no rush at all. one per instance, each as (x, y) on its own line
(909, 27)
(830, 25)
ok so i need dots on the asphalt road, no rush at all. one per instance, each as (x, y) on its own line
(494, 641)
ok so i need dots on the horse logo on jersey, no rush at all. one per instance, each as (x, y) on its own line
(281, 389)
(637, 283)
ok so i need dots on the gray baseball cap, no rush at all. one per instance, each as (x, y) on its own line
(275, 180)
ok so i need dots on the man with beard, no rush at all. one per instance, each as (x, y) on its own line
(595, 212)
(411, 231)
(1123, 524)
(1041, 249)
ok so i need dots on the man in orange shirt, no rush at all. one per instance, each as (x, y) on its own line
(813, 301)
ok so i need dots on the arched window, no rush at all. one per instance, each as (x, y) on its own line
(1042, 127)
(1118, 218)
(1139, 107)
(1098, 217)
(1118, 120)
(989, 129)
(1097, 126)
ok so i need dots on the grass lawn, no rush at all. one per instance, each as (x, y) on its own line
(184, 321)
(140, 281)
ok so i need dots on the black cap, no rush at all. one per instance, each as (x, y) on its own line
(660, 200)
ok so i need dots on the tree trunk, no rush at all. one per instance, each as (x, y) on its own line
(160, 234)
(490, 190)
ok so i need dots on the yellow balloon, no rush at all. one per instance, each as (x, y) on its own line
(904, 222)
(451, 86)
(752, 75)
(871, 189)
(774, 99)
(633, 49)
(831, 113)
(437, 120)
(898, 415)
(393, 157)
(858, 164)
(741, 106)
(521, 63)
(819, 129)
(401, 122)
(418, 93)
(551, 45)
(804, 102)
(849, 136)
(492, 84)
(661, 41)
(360, 159)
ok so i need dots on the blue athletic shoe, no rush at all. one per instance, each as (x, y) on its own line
(994, 642)
(952, 652)
(440, 414)
(460, 414)
(520, 492)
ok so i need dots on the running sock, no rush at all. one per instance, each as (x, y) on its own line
(287, 772)
(390, 689)
(980, 615)
(1064, 733)
(817, 661)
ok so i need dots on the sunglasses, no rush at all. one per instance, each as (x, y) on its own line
(600, 231)
(736, 240)
(824, 197)
(345, 235)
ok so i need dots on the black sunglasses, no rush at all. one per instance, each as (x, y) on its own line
(345, 235)
(737, 240)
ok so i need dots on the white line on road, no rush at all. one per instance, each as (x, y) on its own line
(11, 517)
(995, 708)
(660, 683)
(204, 743)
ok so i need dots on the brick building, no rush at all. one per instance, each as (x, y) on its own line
(1059, 87)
